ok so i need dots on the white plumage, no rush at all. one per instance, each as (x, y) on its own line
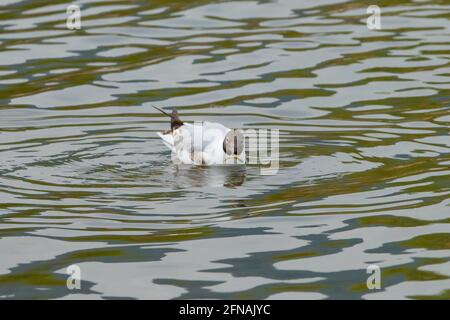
(201, 143)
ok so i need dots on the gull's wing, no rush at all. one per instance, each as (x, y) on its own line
(200, 143)
(213, 136)
(183, 143)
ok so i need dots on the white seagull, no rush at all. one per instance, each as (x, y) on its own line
(205, 143)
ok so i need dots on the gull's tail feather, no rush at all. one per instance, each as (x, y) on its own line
(175, 121)
(167, 138)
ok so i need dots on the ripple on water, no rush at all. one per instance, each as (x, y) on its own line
(364, 148)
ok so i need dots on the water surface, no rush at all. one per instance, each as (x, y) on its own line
(364, 120)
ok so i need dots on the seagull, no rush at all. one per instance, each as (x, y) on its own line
(204, 143)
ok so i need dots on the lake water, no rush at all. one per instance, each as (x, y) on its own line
(364, 174)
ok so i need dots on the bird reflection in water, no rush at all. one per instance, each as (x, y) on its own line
(229, 176)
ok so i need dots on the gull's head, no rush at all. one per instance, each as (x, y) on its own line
(233, 144)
